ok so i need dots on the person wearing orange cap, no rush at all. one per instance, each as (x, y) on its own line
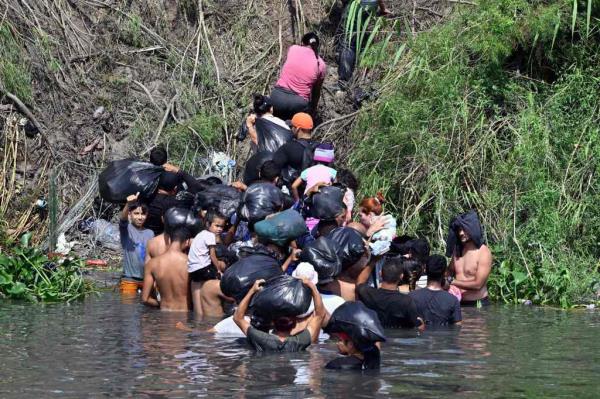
(297, 155)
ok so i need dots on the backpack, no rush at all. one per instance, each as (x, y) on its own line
(290, 174)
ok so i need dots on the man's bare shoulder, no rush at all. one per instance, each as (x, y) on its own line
(485, 250)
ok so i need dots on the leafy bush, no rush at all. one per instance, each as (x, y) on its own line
(497, 110)
(29, 274)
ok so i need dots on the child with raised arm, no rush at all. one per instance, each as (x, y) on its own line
(134, 238)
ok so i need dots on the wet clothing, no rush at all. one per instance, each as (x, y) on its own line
(130, 286)
(301, 71)
(372, 361)
(133, 242)
(469, 222)
(156, 208)
(286, 103)
(265, 342)
(204, 274)
(477, 303)
(437, 308)
(395, 310)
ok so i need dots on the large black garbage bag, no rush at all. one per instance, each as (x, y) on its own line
(239, 277)
(271, 136)
(181, 217)
(281, 228)
(358, 321)
(282, 296)
(350, 245)
(126, 177)
(224, 198)
(322, 254)
(253, 165)
(259, 201)
(327, 203)
(346, 61)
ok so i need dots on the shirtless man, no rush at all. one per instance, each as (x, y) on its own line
(471, 261)
(170, 273)
(156, 246)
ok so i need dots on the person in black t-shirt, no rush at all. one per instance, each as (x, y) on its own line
(161, 201)
(436, 306)
(394, 309)
(366, 357)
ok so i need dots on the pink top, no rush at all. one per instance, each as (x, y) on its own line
(301, 71)
(318, 174)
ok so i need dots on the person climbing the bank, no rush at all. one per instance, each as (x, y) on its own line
(435, 305)
(169, 272)
(268, 173)
(267, 132)
(134, 238)
(471, 259)
(380, 226)
(346, 178)
(163, 199)
(203, 264)
(280, 339)
(320, 173)
(297, 155)
(299, 85)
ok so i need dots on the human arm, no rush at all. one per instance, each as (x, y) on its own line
(240, 312)
(148, 250)
(484, 268)
(293, 257)
(251, 125)
(315, 93)
(365, 273)
(130, 199)
(228, 239)
(238, 185)
(314, 325)
(148, 286)
(377, 225)
(295, 185)
(219, 264)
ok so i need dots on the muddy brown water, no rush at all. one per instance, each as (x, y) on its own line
(108, 346)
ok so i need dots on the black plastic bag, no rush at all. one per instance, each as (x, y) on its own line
(350, 245)
(346, 61)
(224, 198)
(271, 136)
(259, 201)
(281, 228)
(327, 203)
(253, 165)
(322, 254)
(239, 277)
(181, 217)
(358, 321)
(281, 296)
(126, 177)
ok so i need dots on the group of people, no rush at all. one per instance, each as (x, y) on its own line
(295, 213)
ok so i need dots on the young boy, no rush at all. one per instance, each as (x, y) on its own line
(134, 238)
(169, 272)
(203, 264)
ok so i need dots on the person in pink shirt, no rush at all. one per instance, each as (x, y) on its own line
(299, 85)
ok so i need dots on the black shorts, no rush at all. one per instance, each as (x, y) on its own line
(205, 274)
(474, 304)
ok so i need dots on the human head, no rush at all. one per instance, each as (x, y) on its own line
(340, 218)
(436, 268)
(168, 182)
(345, 344)
(182, 236)
(411, 273)
(463, 236)
(392, 270)
(284, 324)
(311, 40)
(302, 124)
(138, 212)
(269, 171)
(324, 154)
(158, 156)
(347, 179)
(369, 207)
(262, 104)
(215, 221)
(419, 249)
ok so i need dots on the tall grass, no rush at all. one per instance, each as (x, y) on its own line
(497, 110)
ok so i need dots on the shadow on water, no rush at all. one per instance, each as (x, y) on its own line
(113, 346)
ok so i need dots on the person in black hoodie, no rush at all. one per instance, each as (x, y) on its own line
(471, 259)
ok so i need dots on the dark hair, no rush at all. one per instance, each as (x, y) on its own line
(168, 181)
(419, 249)
(411, 273)
(371, 357)
(180, 234)
(262, 104)
(138, 204)
(436, 267)
(284, 324)
(158, 156)
(269, 171)
(346, 178)
(213, 214)
(311, 39)
(213, 180)
(392, 270)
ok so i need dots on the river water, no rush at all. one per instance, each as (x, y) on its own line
(111, 346)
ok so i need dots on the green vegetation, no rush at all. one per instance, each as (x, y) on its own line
(14, 70)
(26, 273)
(497, 110)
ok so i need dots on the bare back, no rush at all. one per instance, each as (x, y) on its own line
(156, 246)
(172, 280)
(473, 264)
